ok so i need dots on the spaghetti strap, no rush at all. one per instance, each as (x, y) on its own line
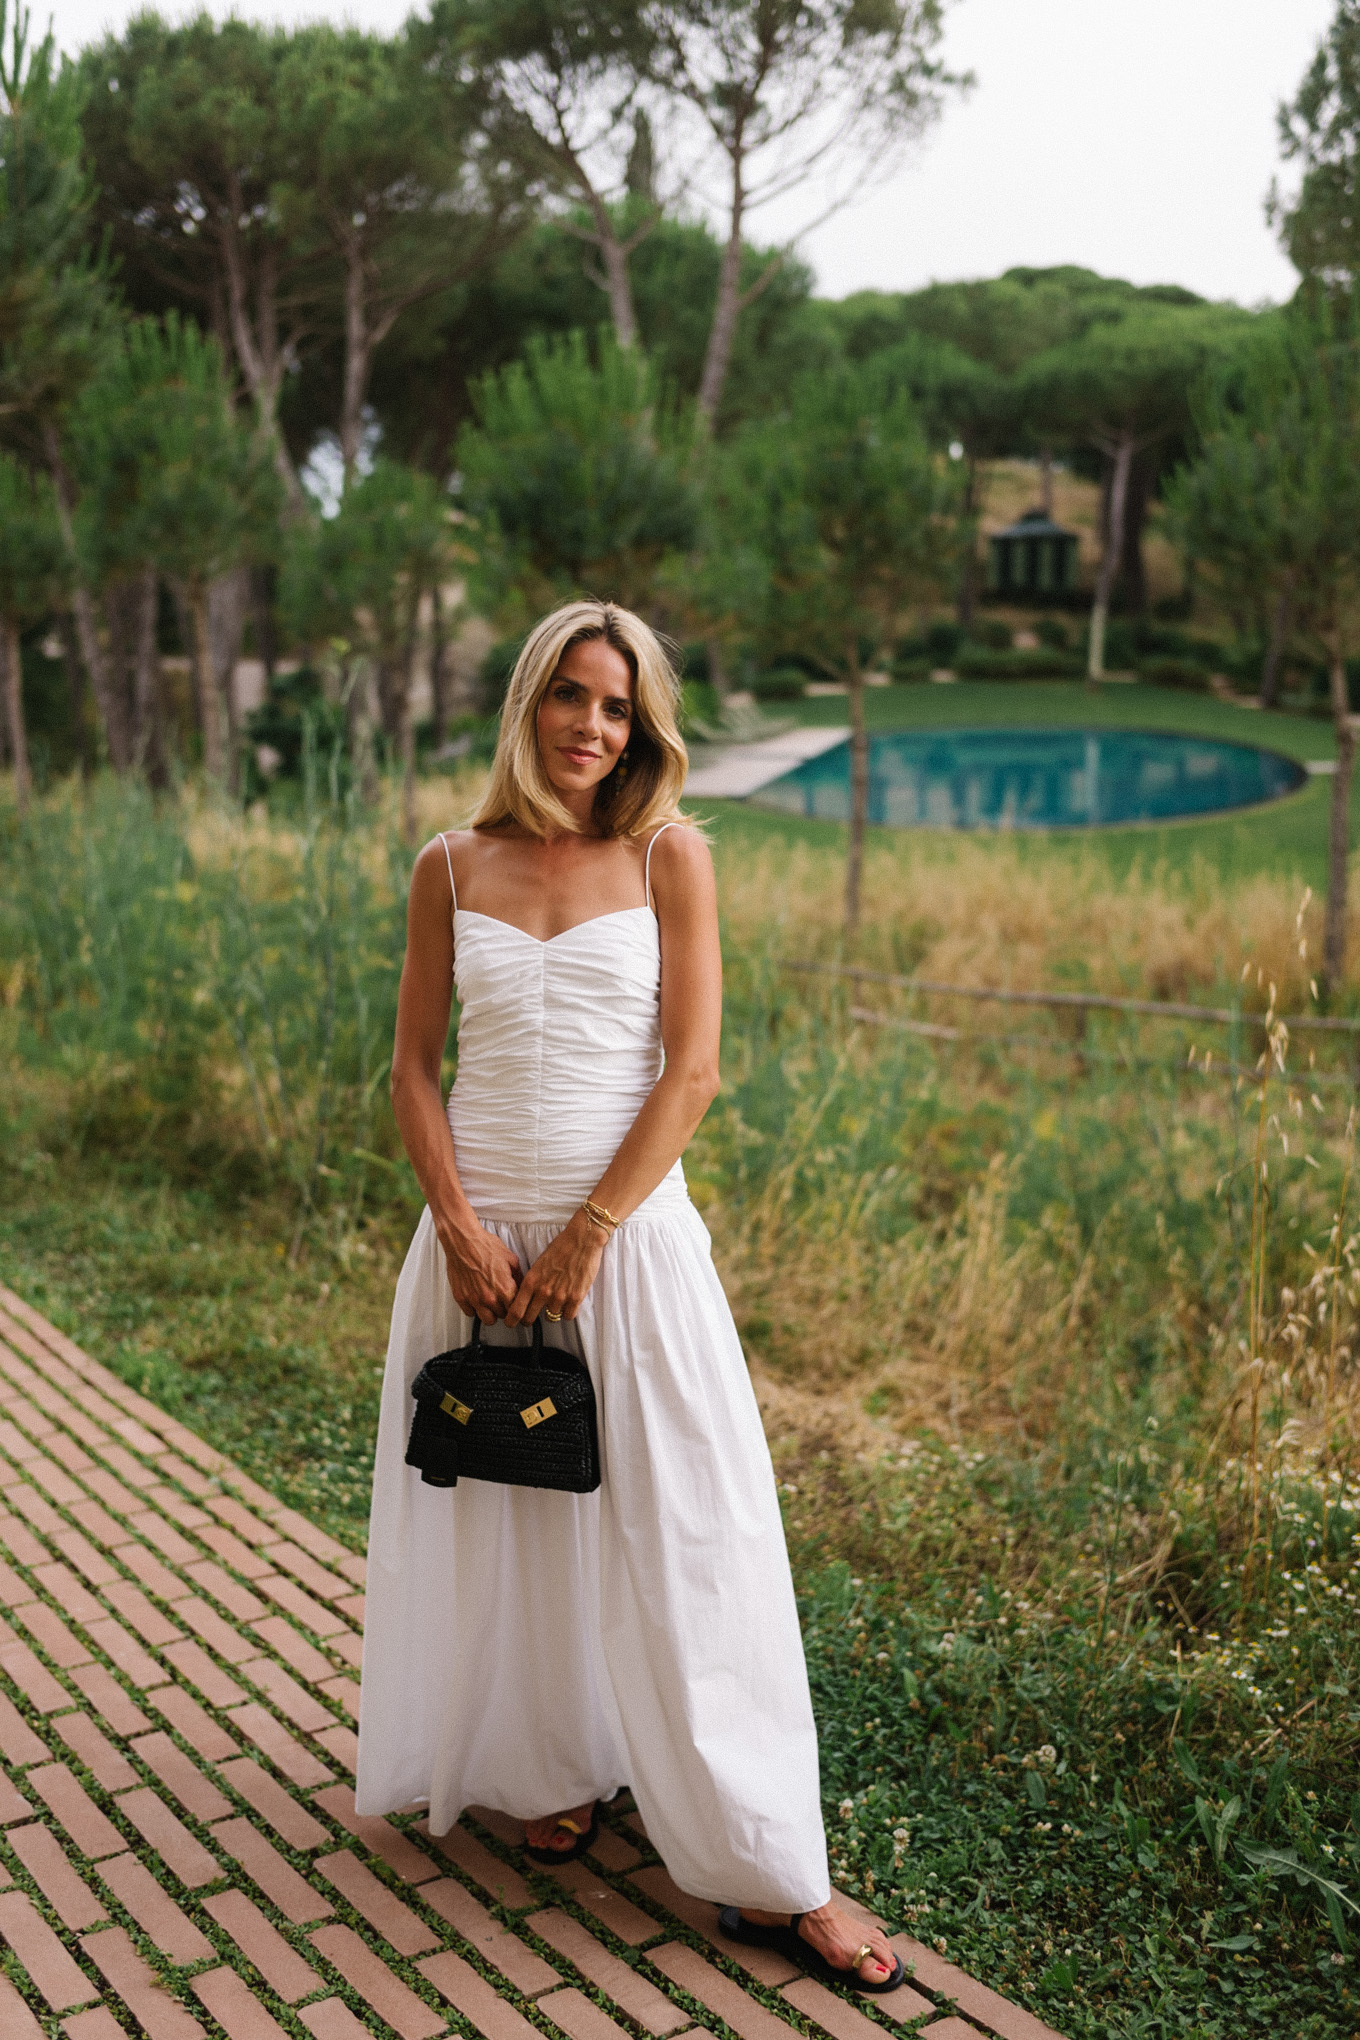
(647, 869)
(449, 861)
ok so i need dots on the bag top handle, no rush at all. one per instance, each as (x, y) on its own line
(536, 1328)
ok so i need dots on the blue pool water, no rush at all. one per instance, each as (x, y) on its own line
(1036, 779)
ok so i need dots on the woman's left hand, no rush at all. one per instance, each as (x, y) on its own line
(560, 1278)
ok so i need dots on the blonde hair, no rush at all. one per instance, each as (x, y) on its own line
(628, 802)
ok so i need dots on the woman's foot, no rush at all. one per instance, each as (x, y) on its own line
(838, 1940)
(560, 1832)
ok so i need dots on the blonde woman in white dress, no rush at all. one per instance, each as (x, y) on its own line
(531, 1650)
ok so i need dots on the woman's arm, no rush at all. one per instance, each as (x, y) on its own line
(483, 1273)
(691, 1025)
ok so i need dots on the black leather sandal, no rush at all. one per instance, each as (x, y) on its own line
(790, 1942)
(585, 1839)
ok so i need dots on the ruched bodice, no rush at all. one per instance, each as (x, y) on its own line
(559, 1044)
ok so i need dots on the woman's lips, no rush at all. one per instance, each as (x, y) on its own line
(580, 757)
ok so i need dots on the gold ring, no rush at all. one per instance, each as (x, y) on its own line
(554, 1317)
(863, 1956)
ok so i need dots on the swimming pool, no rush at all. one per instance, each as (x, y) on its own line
(1036, 779)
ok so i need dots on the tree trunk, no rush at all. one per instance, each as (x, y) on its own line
(619, 289)
(717, 672)
(408, 772)
(357, 354)
(1110, 556)
(859, 793)
(108, 696)
(148, 718)
(391, 700)
(14, 712)
(1046, 480)
(228, 604)
(263, 359)
(967, 603)
(723, 332)
(359, 714)
(1338, 827)
(75, 683)
(1132, 566)
(262, 581)
(613, 276)
(207, 696)
(439, 677)
(1280, 619)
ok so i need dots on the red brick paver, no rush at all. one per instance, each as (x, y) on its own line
(43, 1956)
(50, 1867)
(177, 1708)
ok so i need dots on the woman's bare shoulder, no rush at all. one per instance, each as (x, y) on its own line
(679, 849)
(454, 850)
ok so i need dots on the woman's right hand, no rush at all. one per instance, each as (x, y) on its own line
(483, 1273)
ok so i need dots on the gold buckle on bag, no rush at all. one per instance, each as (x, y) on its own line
(459, 1411)
(539, 1412)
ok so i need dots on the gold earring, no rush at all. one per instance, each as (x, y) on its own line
(621, 769)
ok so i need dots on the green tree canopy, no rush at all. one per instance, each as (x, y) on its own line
(828, 523)
(778, 89)
(53, 301)
(187, 138)
(1124, 386)
(575, 477)
(351, 587)
(1320, 131)
(566, 80)
(390, 167)
(34, 572)
(172, 481)
(1274, 498)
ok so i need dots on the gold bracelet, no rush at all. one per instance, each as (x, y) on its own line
(601, 1214)
(598, 1223)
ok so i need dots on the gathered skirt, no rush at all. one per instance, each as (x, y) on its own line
(529, 1650)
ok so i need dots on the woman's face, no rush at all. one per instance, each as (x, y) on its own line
(585, 717)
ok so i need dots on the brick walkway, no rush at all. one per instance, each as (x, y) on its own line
(179, 1660)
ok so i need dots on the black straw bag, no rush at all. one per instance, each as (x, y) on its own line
(499, 1413)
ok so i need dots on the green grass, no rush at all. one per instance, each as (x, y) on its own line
(1065, 704)
(994, 1296)
(1289, 837)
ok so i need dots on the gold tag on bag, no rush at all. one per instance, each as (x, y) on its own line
(459, 1411)
(539, 1412)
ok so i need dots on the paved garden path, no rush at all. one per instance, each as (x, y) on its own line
(179, 1852)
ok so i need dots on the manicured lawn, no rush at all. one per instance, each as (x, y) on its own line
(1287, 838)
(1067, 704)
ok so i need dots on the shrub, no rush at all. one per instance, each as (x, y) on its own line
(1187, 674)
(785, 683)
(1012, 665)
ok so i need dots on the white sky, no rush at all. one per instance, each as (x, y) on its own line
(1134, 136)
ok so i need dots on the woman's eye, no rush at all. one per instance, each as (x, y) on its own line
(619, 711)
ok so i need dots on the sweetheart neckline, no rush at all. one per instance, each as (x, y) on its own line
(546, 941)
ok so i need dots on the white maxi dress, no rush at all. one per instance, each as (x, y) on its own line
(529, 1650)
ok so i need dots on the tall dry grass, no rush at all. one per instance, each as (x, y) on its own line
(1030, 1239)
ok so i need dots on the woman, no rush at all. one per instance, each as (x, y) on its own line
(532, 1650)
